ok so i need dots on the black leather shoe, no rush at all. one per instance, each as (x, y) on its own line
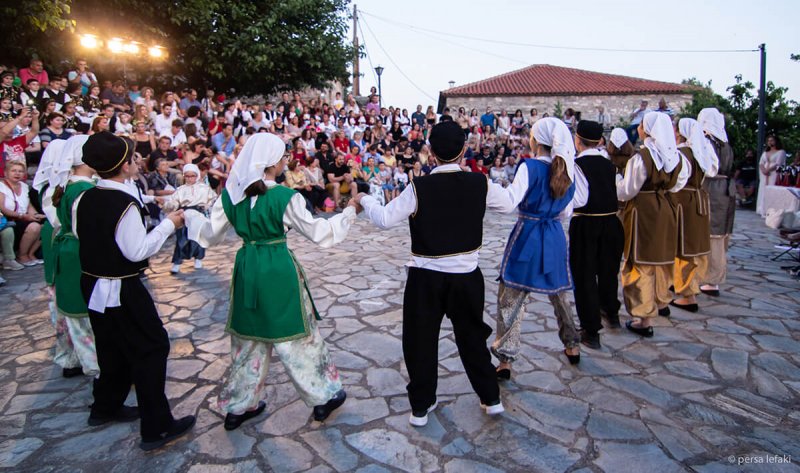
(233, 421)
(591, 340)
(72, 372)
(686, 307)
(664, 312)
(573, 359)
(646, 332)
(179, 428)
(124, 414)
(504, 374)
(710, 292)
(322, 412)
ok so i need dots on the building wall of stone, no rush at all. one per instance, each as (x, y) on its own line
(619, 106)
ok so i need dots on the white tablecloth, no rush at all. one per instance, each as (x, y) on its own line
(781, 198)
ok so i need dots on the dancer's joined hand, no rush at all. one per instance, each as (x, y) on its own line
(177, 218)
(355, 203)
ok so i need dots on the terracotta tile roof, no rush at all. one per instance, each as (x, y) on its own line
(544, 79)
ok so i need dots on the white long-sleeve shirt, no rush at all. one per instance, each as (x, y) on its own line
(636, 174)
(324, 232)
(133, 241)
(504, 200)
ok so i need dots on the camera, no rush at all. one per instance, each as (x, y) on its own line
(31, 103)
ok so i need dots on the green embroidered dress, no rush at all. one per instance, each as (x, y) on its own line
(266, 298)
(69, 298)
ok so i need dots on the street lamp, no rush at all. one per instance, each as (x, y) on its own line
(451, 83)
(89, 41)
(379, 71)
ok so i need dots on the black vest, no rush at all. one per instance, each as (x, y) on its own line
(601, 174)
(99, 213)
(449, 216)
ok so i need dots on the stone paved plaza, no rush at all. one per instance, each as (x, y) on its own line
(722, 383)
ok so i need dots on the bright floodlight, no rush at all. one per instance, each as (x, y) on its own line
(89, 41)
(132, 48)
(155, 52)
(116, 46)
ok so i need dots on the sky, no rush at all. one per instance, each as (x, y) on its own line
(431, 59)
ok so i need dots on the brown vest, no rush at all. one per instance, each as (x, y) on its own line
(694, 224)
(650, 218)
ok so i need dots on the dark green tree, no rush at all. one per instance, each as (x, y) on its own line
(250, 46)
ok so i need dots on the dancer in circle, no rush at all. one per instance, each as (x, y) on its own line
(271, 306)
(535, 258)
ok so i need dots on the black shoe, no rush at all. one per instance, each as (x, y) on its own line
(672, 289)
(612, 320)
(646, 332)
(710, 292)
(322, 412)
(233, 421)
(573, 359)
(124, 414)
(504, 374)
(72, 372)
(664, 312)
(591, 340)
(686, 307)
(179, 428)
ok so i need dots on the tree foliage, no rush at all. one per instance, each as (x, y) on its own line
(740, 107)
(251, 46)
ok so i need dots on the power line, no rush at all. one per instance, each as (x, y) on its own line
(394, 63)
(366, 50)
(550, 46)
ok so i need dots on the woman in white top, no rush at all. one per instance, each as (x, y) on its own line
(16, 206)
(771, 159)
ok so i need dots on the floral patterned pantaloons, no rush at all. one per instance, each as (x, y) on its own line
(74, 342)
(306, 360)
(511, 311)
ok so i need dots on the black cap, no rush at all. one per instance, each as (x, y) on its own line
(589, 130)
(447, 141)
(105, 152)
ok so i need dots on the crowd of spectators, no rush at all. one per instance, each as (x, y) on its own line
(338, 146)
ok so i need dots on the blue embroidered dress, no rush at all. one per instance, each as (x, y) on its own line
(536, 257)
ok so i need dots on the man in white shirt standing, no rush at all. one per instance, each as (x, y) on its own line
(445, 213)
(132, 345)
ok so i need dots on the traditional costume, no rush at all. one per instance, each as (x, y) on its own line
(271, 306)
(722, 198)
(694, 241)
(535, 258)
(71, 307)
(198, 196)
(445, 212)
(650, 220)
(64, 354)
(132, 345)
(596, 237)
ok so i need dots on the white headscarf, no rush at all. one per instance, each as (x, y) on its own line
(191, 168)
(261, 151)
(46, 166)
(619, 137)
(661, 141)
(704, 154)
(713, 123)
(551, 131)
(71, 156)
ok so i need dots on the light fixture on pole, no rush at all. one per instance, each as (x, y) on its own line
(451, 83)
(89, 41)
(379, 71)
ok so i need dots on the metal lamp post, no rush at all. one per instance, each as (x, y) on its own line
(379, 71)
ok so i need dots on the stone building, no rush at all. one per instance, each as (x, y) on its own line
(550, 88)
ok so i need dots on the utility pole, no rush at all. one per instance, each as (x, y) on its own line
(762, 99)
(356, 73)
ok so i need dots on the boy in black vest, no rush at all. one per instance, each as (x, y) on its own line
(132, 345)
(445, 214)
(596, 237)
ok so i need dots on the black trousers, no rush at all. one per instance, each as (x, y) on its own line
(595, 252)
(314, 198)
(429, 295)
(132, 348)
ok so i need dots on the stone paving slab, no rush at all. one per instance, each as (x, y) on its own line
(722, 382)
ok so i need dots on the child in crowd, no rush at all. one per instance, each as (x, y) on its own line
(387, 182)
(400, 179)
